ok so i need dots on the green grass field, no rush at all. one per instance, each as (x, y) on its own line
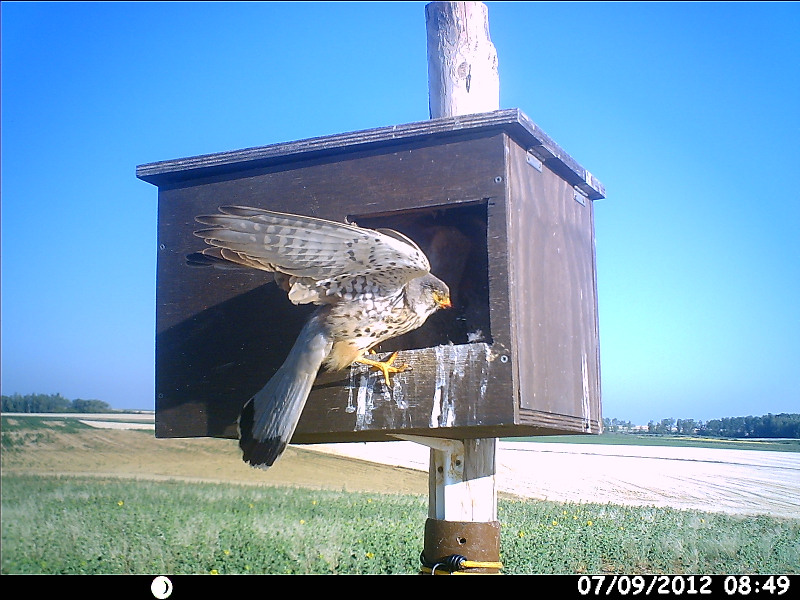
(119, 525)
(82, 525)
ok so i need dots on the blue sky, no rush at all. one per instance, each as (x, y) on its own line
(689, 113)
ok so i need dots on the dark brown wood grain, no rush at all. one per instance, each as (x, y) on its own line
(554, 306)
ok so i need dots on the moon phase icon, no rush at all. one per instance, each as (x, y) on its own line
(161, 587)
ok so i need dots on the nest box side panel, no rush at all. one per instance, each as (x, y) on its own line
(554, 305)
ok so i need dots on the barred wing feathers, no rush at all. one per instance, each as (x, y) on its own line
(324, 260)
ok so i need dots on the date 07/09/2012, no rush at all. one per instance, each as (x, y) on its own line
(678, 585)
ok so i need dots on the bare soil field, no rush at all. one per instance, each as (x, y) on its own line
(714, 480)
(111, 450)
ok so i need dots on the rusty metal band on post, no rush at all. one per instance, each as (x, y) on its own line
(477, 543)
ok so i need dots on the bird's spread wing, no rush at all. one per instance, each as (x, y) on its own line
(323, 260)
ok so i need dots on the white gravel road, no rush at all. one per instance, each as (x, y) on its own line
(714, 480)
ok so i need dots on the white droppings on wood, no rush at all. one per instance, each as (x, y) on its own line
(363, 398)
(436, 408)
(364, 403)
(397, 393)
(457, 366)
(586, 406)
(452, 363)
(351, 385)
(445, 357)
(484, 371)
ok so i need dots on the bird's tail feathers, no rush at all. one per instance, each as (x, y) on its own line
(268, 420)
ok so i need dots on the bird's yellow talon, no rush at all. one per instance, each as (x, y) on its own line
(385, 366)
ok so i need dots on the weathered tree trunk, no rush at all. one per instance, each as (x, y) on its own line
(462, 61)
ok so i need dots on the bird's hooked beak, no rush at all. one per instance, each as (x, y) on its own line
(442, 300)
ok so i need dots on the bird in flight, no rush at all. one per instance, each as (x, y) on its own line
(370, 286)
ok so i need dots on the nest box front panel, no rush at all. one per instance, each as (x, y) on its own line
(221, 334)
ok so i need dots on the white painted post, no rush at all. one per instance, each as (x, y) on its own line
(462, 481)
(462, 504)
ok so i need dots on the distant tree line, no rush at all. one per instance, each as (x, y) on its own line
(51, 403)
(783, 425)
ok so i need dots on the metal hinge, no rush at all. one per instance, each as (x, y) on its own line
(580, 196)
(533, 161)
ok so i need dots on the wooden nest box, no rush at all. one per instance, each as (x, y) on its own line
(506, 219)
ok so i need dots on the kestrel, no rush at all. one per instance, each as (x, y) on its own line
(370, 285)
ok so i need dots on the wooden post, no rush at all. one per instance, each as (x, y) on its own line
(462, 61)
(462, 504)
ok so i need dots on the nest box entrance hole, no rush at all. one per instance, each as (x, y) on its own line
(453, 237)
